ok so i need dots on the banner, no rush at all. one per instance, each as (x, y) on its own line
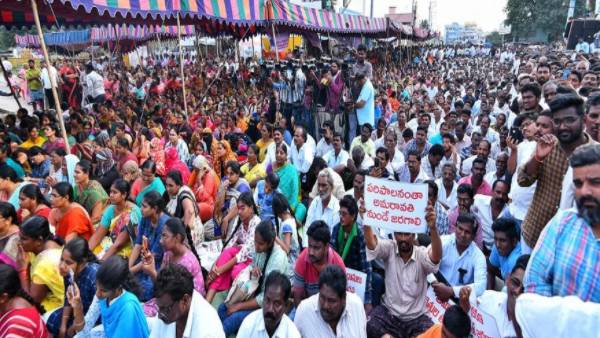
(357, 282)
(482, 324)
(395, 206)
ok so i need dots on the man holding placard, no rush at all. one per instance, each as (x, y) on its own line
(401, 208)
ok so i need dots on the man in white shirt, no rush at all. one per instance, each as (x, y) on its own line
(447, 187)
(431, 165)
(325, 143)
(337, 158)
(483, 152)
(46, 81)
(488, 134)
(501, 305)
(94, 85)
(521, 197)
(278, 139)
(582, 46)
(390, 142)
(333, 307)
(182, 310)
(324, 207)
(301, 153)
(271, 320)
(488, 208)
(462, 263)
(501, 172)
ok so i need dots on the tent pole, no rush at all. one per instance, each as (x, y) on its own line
(185, 108)
(59, 112)
(275, 42)
(198, 50)
(329, 45)
(12, 90)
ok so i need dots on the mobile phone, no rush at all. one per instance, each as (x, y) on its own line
(516, 134)
(145, 243)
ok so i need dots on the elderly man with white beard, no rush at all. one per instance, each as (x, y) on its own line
(566, 259)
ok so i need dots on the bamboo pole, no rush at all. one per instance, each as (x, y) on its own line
(185, 107)
(59, 112)
(275, 42)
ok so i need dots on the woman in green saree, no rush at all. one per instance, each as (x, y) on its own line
(89, 193)
(289, 181)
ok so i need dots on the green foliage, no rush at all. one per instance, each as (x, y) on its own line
(527, 16)
(424, 24)
(494, 38)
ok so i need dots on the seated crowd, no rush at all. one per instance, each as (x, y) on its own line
(243, 218)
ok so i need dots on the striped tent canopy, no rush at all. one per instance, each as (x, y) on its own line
(131, 32)
(231, 13)
(285, 13)
(102, 34)
(239, 18)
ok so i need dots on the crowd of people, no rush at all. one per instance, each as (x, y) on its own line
(105, 233)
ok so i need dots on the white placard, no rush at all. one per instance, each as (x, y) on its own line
(357, 282)
(483, 325)
(395, 206)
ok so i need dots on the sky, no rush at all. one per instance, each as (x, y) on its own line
(487, 14)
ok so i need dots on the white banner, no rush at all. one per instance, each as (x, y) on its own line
(482, 324)
(395, 206)
(357, 282)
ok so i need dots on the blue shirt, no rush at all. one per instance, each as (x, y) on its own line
(566, 259)
(366, 114)
(436, 139)
(505, 263)
(16, 167)
(146, 229)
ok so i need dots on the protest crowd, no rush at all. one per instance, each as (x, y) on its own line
(248, 213)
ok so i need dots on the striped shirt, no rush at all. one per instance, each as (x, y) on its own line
(566, 259)
(25, 322)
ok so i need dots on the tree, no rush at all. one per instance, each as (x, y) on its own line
(547, 16)
(494, 38)
(424, 24)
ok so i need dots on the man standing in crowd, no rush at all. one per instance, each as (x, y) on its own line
(47, 72)
(333, 312)
(34, 85)
(94, 85)
(549, 164)
(365, 104)
(571, 238)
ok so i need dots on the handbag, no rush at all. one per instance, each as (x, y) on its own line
(243, 288)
